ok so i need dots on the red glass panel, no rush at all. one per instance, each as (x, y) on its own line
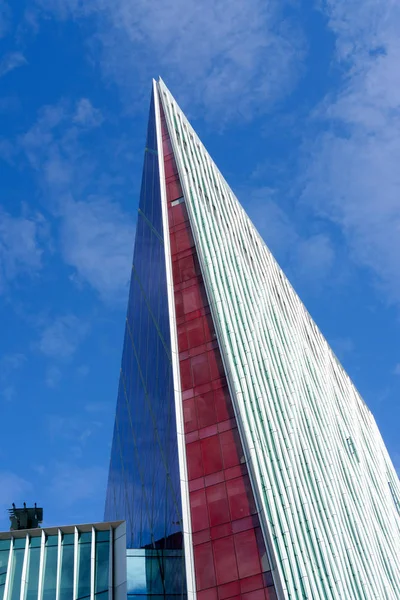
(231, 448)
(183, 343)
(223, 404)
(195, 332)
(194, 460)
(186, 374)
(198, 505)
(250, 584)
(191, 299)
(217, 502)
(210, 594)
(174, 191)
(179, 304)
(205, 408)
(215, 362)
(170, 167)
(247, 553)
(179, 213)
(241, 503)
(204, 566)
(183, 239)
(257, 595)
(228, 590)
(186, 268)
(200, 369)
(189, 415)
(225, 560)
(211, 453)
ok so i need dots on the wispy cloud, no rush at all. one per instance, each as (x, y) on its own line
(20, 246)
(224, 57)
(72, 484)
(53, 376)
(96, 234)
(352, 177)
(5, 14)
(60, 338)
(12, 61)
(86, 114)
(12, 489)
(396, 370)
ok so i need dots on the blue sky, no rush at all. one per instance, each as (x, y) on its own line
(298, 104)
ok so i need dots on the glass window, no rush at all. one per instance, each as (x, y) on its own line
(4, 556)
(31, 592)
(84, 549)
(50, 568)
(102, 566)
(67, 567)
(16, 569)
(103, 536)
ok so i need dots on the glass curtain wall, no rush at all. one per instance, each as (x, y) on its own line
(62, 566)
(143, 486)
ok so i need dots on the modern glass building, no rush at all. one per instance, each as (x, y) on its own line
(241, 447)
(64, 563)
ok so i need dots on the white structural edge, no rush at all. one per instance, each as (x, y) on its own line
(318, 463)
(184, 483)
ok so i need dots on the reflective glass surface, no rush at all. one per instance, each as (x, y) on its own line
(84, 550)
(101, 566)
(50, 568)
(4, 556)
(155, 574)
(67, 567)
(143, 486)
(32, 586)
(16, 569)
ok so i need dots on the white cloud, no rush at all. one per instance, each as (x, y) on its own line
(20, 251)
(353, 176)
(61, 337)
(224, 56)
(12, 61)
(73, 484)
(97, 241)
(53, 376)
(12, 489)
(396, 370)
(86, 114)
(96, 235)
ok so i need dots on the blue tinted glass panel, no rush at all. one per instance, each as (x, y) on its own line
(4, 556)
(50, 568)
(33, 569)
(143, 485)
(102, 566)
(16, 571)
(67, 568)
(85, 550)
(151, 573)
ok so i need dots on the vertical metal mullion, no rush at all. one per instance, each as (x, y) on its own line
(59, 558)
(24, 569)
(111, 566)
(76, 557)
(92, 563)
(9, 569)
(41, 565)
